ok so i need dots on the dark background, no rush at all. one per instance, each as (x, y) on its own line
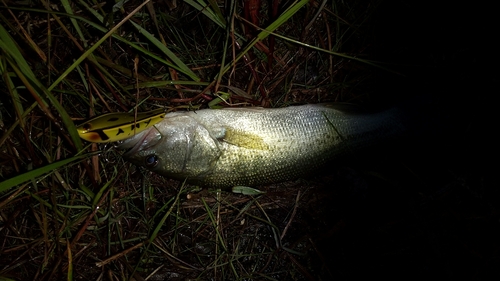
(428, 207)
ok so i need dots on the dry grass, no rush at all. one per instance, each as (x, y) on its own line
(76, 211)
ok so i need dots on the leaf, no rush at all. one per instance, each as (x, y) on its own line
(33, 174)
(182, 67)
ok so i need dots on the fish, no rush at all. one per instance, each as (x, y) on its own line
(251, 146)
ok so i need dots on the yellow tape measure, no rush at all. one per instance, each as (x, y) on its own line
(113, 127)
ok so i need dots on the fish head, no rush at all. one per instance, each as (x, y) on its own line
(178, 147)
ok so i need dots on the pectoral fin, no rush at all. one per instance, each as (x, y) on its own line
(244, 139)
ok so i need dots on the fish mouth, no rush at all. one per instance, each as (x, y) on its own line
(139, 142)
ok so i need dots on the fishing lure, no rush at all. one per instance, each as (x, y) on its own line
(113, 127)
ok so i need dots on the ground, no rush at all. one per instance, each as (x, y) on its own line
(414, 208)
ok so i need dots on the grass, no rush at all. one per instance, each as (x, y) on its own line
(76, 211)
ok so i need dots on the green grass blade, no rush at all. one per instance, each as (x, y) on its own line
(369, 62)
(216, 11)
(76, 26)
(92, 11)
(20, 65)
(207, 12)
(114, 35)
(211, 215)
(17, 180)
(266, 32)
(94, 47)
(16, 98)
(182, 67)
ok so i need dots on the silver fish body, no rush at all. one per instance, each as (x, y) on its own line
(255, 146)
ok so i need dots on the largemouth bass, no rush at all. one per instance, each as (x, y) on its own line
(254, 146)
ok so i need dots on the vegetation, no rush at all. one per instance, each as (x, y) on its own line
(76, 211)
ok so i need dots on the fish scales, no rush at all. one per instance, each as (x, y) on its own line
(254, 146)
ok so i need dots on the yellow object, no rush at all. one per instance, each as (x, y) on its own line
(113, 127)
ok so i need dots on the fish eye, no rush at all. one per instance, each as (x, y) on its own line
(151, 160)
